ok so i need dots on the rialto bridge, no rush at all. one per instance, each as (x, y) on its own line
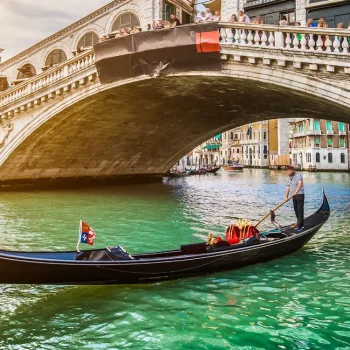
(63, 124)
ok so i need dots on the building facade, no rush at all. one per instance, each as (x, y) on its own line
(319, 143)
(253, 145)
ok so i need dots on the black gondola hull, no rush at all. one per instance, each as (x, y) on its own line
(62, 268)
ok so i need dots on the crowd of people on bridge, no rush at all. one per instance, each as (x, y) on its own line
(208, 16)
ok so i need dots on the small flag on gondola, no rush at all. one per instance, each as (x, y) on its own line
(86, 234)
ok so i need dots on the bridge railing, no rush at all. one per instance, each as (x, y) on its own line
(285, 37)
(48, 78)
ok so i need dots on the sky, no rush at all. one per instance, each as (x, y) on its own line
(23, 23)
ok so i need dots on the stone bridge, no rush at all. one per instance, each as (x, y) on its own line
(63, 124)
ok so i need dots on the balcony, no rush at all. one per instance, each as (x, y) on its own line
(299, 134)
(313, 132)
(342, 132)
(330, 132)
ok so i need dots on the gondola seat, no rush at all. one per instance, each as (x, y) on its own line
(235, 235)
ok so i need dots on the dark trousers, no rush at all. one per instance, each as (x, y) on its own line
(298, 202)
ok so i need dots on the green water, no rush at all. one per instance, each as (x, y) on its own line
(301, 301)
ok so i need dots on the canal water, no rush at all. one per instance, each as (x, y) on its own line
(301, 301)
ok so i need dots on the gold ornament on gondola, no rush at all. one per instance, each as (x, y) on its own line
(213, 240)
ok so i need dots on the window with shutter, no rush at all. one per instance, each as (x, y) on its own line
(26, 71)
(318, 157)
(55, 57)
(342, 142)
(125, 20)
(329, 125)
(88, 40)
(330, 158)
(342, 158)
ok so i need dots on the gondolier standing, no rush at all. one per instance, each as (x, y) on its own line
(295, 187)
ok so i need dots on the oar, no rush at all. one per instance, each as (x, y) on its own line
(274, 209)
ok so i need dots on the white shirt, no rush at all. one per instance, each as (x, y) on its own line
(209, 16)
(246, 19)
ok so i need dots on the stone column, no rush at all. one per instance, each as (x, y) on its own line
(300, 11)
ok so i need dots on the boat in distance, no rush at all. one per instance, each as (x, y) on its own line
(234, 167)
(102, 266)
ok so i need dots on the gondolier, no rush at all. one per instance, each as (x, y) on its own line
(295, 187)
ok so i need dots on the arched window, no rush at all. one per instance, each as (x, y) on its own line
(318, 157)
(125, 20)
(55, 57)
(26, 71)
(342, 158)
(330, 158)
(88, 40)
(231, 135)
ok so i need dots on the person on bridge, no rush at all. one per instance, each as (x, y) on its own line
(242, 17)
(295, 186)
(174, 21)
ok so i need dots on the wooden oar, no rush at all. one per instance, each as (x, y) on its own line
(274, 209)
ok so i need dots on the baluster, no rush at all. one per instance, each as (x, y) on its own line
(328, 44)
(272, 39)
(263, 38)
(345, 44)
(243, 38)
(295, 42)
(257, 38)
(288, 40)
(312, 43)
(223, 35)
(90, 60)
(229, 34)
(250, 37)
(336, 44)
(237, 36)
(303, 42)
(319, 43)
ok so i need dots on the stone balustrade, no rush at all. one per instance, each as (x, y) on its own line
(46, 79)
(327, 40)
(249, 43)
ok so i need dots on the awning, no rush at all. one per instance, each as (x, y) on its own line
(211, 146)
(218, 136)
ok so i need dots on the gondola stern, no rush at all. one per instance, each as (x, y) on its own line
(325, 207)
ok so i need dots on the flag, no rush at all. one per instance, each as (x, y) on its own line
(86, 234)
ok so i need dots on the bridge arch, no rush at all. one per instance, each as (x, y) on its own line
(142, 126)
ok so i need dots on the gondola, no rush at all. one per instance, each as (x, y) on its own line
(178, 173)
(103, 267)
(213, 170)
